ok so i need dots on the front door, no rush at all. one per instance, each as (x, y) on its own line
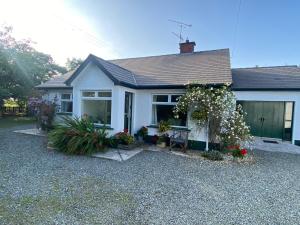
(128, 112)
(266, 119)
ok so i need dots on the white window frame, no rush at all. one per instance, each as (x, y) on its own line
(165, 103)
(98, 99)
(65, 100)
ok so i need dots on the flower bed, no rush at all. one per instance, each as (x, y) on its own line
(236, 151)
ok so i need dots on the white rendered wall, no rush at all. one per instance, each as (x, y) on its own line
(276, 96)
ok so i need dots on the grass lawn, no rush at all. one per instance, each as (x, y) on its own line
(11, 121)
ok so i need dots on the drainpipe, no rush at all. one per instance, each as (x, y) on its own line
(206, 144)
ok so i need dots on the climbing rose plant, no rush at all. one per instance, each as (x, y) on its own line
(234, 129)
(216, 108)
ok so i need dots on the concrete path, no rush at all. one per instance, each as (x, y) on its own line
(285, 147)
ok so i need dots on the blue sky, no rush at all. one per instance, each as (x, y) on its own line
(268, 32)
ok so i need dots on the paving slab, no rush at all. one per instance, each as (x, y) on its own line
(118, 154)
(34, 131)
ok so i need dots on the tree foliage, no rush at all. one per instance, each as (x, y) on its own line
(22, 67)
(73, 63)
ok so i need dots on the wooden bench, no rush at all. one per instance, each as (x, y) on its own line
(179, 138)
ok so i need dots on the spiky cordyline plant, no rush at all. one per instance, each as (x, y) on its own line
(78, 136)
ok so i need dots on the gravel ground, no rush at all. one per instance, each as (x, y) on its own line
(38, 186)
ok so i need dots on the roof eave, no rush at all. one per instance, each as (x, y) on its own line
(49, 87)
(265, 89)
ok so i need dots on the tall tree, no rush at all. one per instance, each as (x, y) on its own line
(72, 63)
(22, 67)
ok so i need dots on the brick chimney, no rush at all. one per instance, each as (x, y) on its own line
(187, 46)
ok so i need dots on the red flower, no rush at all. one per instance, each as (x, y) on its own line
(244, 151)
(126, 130)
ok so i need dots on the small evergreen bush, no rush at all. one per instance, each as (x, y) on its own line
(213, 155)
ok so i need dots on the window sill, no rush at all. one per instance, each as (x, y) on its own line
(172, 127)
(102, 126)
(64, 113)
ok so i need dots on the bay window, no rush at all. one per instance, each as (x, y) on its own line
(96, 105)
(162, 109)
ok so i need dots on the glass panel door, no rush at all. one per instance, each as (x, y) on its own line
(288, 121)
(128, 112)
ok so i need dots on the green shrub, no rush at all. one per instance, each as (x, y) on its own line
(78, 136)
(112, 142)
(213, 155)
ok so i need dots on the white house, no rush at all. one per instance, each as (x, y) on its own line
(135, 92)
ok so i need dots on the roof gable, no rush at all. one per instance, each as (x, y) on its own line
(89, 59)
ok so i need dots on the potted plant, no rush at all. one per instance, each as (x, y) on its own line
(124, 140)
(163, 140)
(142, 133)
(163, 127)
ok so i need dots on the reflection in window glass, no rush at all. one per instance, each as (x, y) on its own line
(165, 113)
(174, 98)
(88, 94)
(104, 94)
(160, 98)
(66, 106)
(66, 96)
(99, 111)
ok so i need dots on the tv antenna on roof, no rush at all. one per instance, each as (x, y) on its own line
(181, 26)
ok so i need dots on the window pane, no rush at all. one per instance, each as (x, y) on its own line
(66, 106)
(104, 94)
(174, 98)
(99, 111)
(288, 110)
(88, 94)
(160, 98)
(66, 96)
(287, 124)
(165, 112)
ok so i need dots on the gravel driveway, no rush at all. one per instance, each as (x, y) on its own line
(38, 186)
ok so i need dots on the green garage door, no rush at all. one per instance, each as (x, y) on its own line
(266, 119)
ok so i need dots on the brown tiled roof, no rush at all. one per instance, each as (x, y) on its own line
(204, 67)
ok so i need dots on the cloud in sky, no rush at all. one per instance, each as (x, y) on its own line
(57, 29)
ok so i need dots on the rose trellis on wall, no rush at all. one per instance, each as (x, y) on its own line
(215, 109)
